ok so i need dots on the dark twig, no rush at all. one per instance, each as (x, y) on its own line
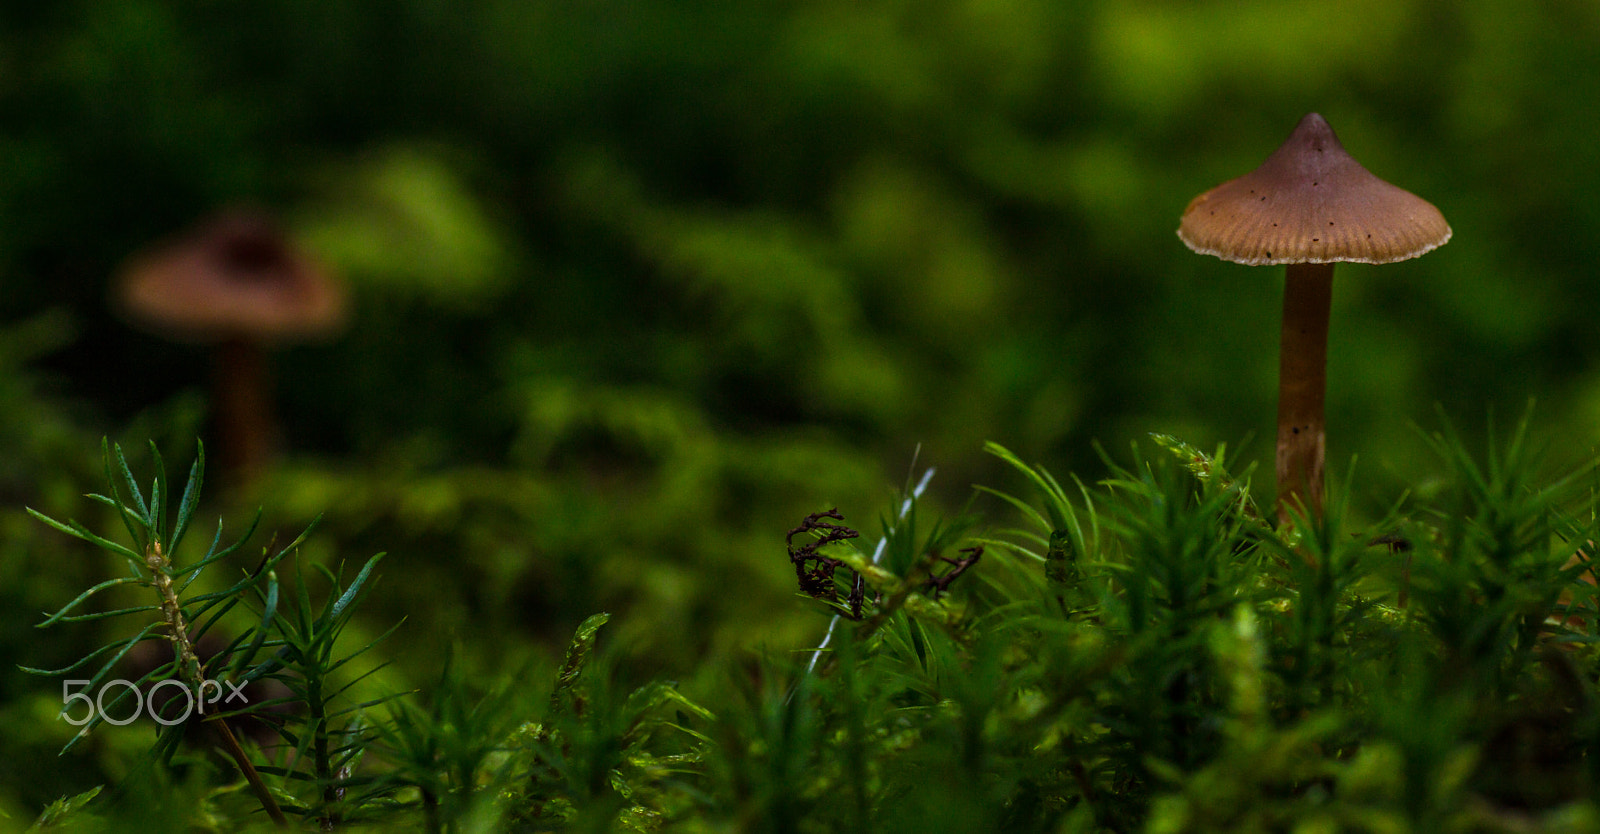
(939, 584)
(1398, 544)
(814, 570)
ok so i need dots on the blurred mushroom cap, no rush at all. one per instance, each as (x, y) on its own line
(1311, 202)
(235, 276)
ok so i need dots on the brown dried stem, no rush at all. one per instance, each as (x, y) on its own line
(1302, 383)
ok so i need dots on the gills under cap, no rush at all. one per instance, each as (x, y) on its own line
(1311, 202)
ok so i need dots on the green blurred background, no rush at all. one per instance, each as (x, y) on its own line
(639, 284)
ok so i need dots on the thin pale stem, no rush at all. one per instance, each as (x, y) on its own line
(1302, 381)
(189, 664)
(172, 611)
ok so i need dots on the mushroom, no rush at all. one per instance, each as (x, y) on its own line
(1309, 206)
(236, 282)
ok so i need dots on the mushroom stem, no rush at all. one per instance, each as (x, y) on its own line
(1302, 381)
(242, 409)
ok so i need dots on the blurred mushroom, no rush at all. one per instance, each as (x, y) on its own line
(1308, 206)
(238, 283)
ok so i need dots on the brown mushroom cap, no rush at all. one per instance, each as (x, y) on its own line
(1311, 202)
(235, 277)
